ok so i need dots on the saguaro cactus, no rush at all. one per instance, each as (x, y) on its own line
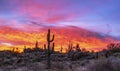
(13, 50)
(78, 48)
(49, 40)
(44, 47)
(36, 44)
(70, 47)
(61, 49)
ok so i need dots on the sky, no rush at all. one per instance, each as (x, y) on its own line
(91, 23)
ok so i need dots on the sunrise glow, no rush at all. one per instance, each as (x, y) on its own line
(92, 24)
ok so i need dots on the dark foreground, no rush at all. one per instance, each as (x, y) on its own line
(103, 64)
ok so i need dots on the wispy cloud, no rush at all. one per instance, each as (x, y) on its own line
(25, 21)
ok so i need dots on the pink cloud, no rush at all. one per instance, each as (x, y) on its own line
(23, 26)
(58, 18)
(43, 9)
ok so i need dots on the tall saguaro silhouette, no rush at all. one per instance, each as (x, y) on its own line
(36, 44)
(49, 51)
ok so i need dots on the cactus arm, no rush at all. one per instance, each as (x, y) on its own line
(52, 39)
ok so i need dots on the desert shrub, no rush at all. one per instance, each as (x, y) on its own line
(110, 64)
(114, 47)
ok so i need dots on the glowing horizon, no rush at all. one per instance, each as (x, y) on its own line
(86, 39)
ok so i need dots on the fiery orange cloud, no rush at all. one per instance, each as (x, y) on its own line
(13, 38)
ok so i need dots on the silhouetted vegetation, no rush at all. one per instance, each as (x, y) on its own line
(48, 54)
(114, 47)
(50, 50)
